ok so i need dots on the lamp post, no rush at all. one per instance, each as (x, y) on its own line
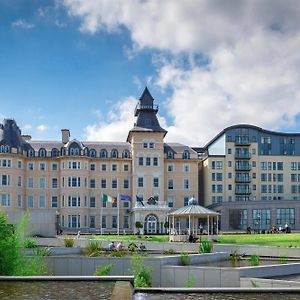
(57, 222)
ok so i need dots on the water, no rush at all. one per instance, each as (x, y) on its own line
(216, 296)
(51, 290)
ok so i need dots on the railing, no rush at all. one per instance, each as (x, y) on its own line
(244, 167)
(241, 155)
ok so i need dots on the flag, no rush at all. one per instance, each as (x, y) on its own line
(108, 198)
(125, 197)
(139, 199)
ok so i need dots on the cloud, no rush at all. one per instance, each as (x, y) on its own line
(115, 125)
(21, 23)
(225, 62)
(42, 128)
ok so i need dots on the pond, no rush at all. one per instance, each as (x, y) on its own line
(216, 296)
(46, 290)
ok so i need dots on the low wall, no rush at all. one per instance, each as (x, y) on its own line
(259, 250)
(267, 283)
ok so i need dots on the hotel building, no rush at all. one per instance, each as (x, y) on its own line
(66, 184)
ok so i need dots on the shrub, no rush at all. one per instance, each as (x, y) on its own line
(94, 248)
(118, 253)
(169, 252)
(184, 258)
(45, 251)
(205, 246)
(69, 242)
(103, 270)
(234, 257)
(254, 260)
(142, 274)
(29, 243)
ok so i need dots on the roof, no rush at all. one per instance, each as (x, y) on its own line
(193, 211)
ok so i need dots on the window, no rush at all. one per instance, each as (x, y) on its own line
(42, 183)
(114, 184)
(92, 222)
(42, 201)
(186, 185)
(229, 151)
(219, 176)
(148, 161)
(263, 165)
(92, 183)
(74, 201)
(293, 177)
(103, 167)
(92, 202)
(229, 175)
(151, 145)
(140, 182)
(103, 222)
(42, 167)
(103, 153)
(170, 155)
(141, 161)
(19, 181)
(19, 164)
(170, 168)
(30, 183)
(126, 154)
(186, 168)
(155, 182)
(126, 184)
(73, 181)
(219, 165)
(126, 168)
(126, 222)
(229, 163)
(20, 201)
(261, 219)
(155, 161)
(114, 221)
(93, 153)
(54, 167)
(293, 166)
(30, 201)
(185, 201)
(125, 204)
(286, 216)
(114, 167)
(54, 201)
(5, 163)
(186, 154)
(92, 167)
(75, 165)
(30, 166)
(170, 184)
(5, 199)
(74, 221)
(54, 183)
(114, 153)
(103, 183)
(145, 145)
(280, 165)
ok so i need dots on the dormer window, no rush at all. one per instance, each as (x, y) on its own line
(170, 155)
(54, 152)
(74, 151)
(103, 153)
(93, 153)
(30, 153)
(186, 154)
(42, 153)
(114, 153)
(126, 154)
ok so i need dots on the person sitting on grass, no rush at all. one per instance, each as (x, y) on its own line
(142, 247)
(120, 247)
(111, 246)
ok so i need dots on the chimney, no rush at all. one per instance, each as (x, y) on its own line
(65, 135)
(26, 137)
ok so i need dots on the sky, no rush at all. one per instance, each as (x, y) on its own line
(209, 64)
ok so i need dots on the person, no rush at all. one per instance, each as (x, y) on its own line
(111, 246)
(142, 247)
(191, 238)
(78, 234)
(120, 247)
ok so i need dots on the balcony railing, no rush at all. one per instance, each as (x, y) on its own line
(242, 167)
(145, 107)
(242, 140)
(243, 179)
(242, 191)
(241, 155)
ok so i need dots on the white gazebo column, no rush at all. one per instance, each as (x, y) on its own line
(173, 225)
(208, 225)
(190, 224)
(217, 229)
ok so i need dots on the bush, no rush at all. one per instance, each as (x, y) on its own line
(29, 243)
(169, 252)
(254, 260)
(142, 274)
(103, 270)
(94, 248)
(69, 242)
(205, 246)
(45, 251)
(184, 258)
(116, 253)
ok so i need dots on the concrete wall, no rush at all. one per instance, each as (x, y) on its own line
(267, 283)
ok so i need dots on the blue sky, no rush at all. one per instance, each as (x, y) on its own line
(82, 65)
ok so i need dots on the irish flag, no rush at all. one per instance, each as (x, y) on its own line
(108, 198)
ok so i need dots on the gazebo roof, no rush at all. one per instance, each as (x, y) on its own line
(195, 211)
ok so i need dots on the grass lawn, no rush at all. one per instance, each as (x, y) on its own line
(135, 238)
(280, 239)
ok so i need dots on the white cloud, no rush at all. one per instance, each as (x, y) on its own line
(21, 23)
(251, 50)
(114, 126)
(42, 128)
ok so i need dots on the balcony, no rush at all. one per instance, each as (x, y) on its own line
(242, 155)
(242, 191)
(242, 141)
(242, 179)
(242, 167)
(140, 107)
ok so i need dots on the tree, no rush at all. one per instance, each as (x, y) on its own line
(138, 225)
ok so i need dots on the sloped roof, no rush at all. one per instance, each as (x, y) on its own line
(193, 211)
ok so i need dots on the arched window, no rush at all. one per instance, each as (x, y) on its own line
(126, 154)
(42, 152)
(7, 149)
(170, 155)
(30, 153)
(186, 154)
(93, 153)
(2, 148)
(54, 152)
(74, 149)
(114, 153)
(63, 151)
(103, 153)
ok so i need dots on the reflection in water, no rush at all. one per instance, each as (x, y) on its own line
(217, 296)
(46, 290)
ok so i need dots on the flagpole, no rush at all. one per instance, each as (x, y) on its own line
(118, 204)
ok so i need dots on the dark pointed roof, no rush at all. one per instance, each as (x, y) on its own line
(10, 134)
(145, 112)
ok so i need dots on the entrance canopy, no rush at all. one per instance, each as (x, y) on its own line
(193, 212)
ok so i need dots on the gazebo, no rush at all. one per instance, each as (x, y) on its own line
(193, 211)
